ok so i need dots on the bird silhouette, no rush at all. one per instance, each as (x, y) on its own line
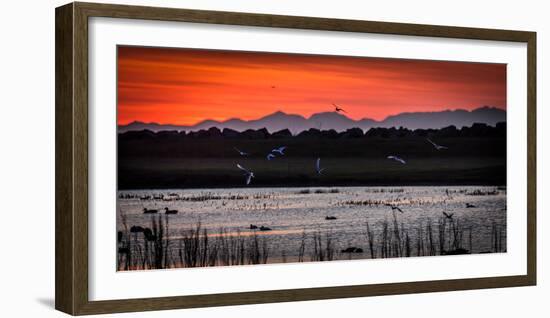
(394, 207)
(318, 166)
(436, 146)
(168, 211)
(397, 159)
(247, 173)
(279, 150)
(338, 109)
(448, 215)
(242, 153)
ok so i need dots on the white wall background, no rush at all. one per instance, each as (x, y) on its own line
(27, 158)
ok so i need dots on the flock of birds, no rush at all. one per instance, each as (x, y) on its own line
(280, 151)
(402, 161)
(270, 156)
(248, 174)
(274, 153)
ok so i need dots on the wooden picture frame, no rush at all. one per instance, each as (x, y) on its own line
(71, 90)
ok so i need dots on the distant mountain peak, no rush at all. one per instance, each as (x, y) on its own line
(486, 108)
(234, 120)
(137, 122)
(280, 114)
(329, 115)
(207, 122)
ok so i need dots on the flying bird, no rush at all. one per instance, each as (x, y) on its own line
(279, 150)
(397, 159)
(318, 166)
(338, 109)
(270, 156)
(448, 215)
(394, 207)
(247, 173)
(242, 153)
(436, 146)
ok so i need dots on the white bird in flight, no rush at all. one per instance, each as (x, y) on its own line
(247, 173)
(436, 146)
(397, 159)
(279, 150)
(270, 156)
(338, 109)
(318, 166)
(242, 153)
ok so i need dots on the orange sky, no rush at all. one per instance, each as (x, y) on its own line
(186, 86)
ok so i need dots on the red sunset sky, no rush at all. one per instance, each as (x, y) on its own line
(186, 86)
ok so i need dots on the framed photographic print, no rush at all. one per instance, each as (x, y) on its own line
(218, 158)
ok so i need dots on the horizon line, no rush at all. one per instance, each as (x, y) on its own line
(307, 118)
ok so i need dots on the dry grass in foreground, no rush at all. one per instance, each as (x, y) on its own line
(142, 248)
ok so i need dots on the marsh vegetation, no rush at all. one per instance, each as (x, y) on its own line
(215, 227)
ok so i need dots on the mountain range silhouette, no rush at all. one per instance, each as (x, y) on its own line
(339, 122)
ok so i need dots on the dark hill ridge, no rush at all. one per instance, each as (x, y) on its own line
(330, 120)
(206, 158)
(476, 130)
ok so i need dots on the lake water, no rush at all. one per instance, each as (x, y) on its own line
(479, 212)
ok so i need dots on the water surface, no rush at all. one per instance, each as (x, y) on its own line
(291, 213)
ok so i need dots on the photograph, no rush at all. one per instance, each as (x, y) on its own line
(228, 158)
